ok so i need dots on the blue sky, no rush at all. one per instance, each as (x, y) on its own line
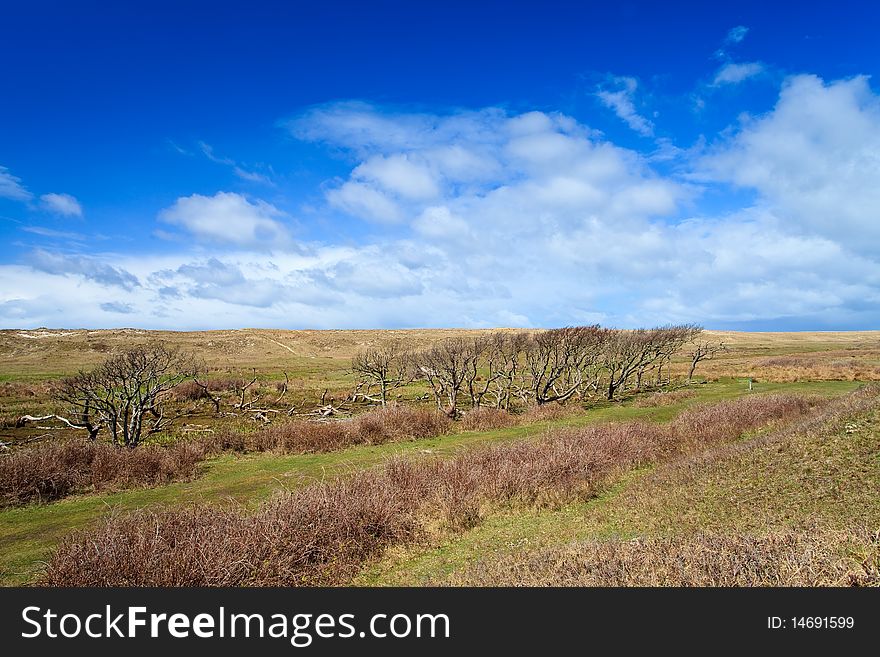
(390, 164)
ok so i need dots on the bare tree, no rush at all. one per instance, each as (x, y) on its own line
(625, 353)
(675, 337)
(660, 345)
(446, 367)
(127, 392)
(703, 351)
(558, 360)
(383, 368)
(504, 368)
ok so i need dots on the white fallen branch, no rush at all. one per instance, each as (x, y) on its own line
(25, 419)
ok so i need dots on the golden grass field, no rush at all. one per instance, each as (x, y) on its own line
(36, 354)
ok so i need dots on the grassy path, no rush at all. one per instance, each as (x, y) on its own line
(28, 534)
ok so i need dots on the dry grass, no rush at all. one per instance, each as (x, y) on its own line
(815, 367)
(809, 556)
(324, 533)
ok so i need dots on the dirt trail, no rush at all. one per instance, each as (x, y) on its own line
(276, 342)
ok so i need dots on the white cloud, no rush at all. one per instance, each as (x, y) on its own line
(364, 200)
(736, 34)
(237, 169)
(89, 268)
(400, 175)
(229, 218)
(814, 160)
(485, 158)
(63, 204)
(734, 73)
(621, 100)
(11, 187)
(55, 234)
(117, 307)
(253, 176)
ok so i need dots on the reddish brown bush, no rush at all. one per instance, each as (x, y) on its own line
(189, 391)
(50, 471)
(225, 384)
(322, 534)
(18, 390)
(487, 419)
(548, 412)
(297, 436)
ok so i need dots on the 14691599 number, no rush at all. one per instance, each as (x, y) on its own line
(811, 622)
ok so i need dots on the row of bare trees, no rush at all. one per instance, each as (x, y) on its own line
(502, 369)
(129, 394)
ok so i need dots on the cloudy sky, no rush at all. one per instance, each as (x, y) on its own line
(196, 165)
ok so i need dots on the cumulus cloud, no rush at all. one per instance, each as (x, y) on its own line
(62, 204)
(734, 73)
(400, 175)
(363, 127)
(621, 100)
(229, 218)
(11, 187)
(364, 200)
(813, 159)
(491, 166)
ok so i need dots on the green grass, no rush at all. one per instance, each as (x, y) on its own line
(28, 534)
(830, 478)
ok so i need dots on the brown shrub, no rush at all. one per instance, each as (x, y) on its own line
(483, 418)
(225, 384)
(188, 391)
(399, 422)
(322, 534)
(809, 556)
(298, 436)
(547, 412)
(49, 471)
(18, 390)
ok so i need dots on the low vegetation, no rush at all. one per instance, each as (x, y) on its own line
(795, 507)
(52, 470)
(806, 556)
(322, 534)
(263, 411)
